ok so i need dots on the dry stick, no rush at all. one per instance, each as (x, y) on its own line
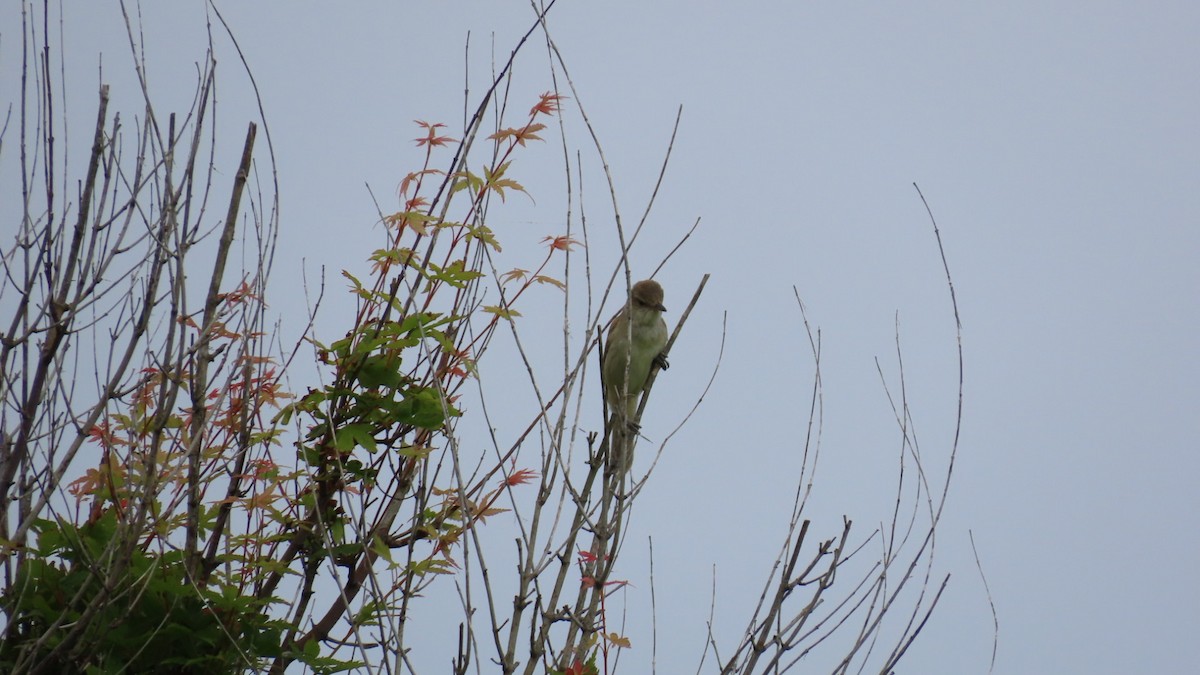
(653, 611)
(816, 413)
(926, 545)
(612, 190)
(15, 456)
(528, 569)
(785, 588)
(935, 514)
(61, 315)
(641, 483)
(870, 576)
(958, 339)
(711, 641)
(527, 539)
(678, 245)
(202, 567)
(957, 432)
(891, 663)
(927, 542)
(797, 623)
(625, 246)
(211, 301)
(171, 383)
(112, 386)
(988, 590)
(566, 562)
(908, 445)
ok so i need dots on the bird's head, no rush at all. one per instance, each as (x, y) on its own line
(648, 293)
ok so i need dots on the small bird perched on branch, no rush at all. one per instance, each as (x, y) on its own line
(635, 342)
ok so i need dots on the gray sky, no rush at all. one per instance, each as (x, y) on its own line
(1059, 150)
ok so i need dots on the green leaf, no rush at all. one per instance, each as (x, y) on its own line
(501, 312)
(351, 436)
(312, 649)
(421, 408)
(380, 371)
(483, 233)
(466, 179)
(456, 273)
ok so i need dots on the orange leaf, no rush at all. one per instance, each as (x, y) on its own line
(431, 137)
(548, 105)
(563, 243)
(404, 184)
(515, 275)
(519, 136)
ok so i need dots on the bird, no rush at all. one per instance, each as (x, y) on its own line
(635, 342)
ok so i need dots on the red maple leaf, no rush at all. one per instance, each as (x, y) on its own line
(520, 477)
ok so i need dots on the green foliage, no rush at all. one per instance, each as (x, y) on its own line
(145, 615)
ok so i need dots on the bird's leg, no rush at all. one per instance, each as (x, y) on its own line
(661, 361)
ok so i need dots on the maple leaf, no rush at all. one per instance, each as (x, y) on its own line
(520, 477)
(581, 668)
(263, 468)
(431, 138)
(483, 233)
(587, 556)
(219, 330)
(499, 185)
(483, 514)
(239, 294)
(542, 279)
(547, 105)
(501, 312)
(415, 175)
(89, 483)
(515, 274)
(414, 220)
(262, 500)
(562, 243)
(494, 180)
(103, 434)
(519, 136)
(619, 640)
